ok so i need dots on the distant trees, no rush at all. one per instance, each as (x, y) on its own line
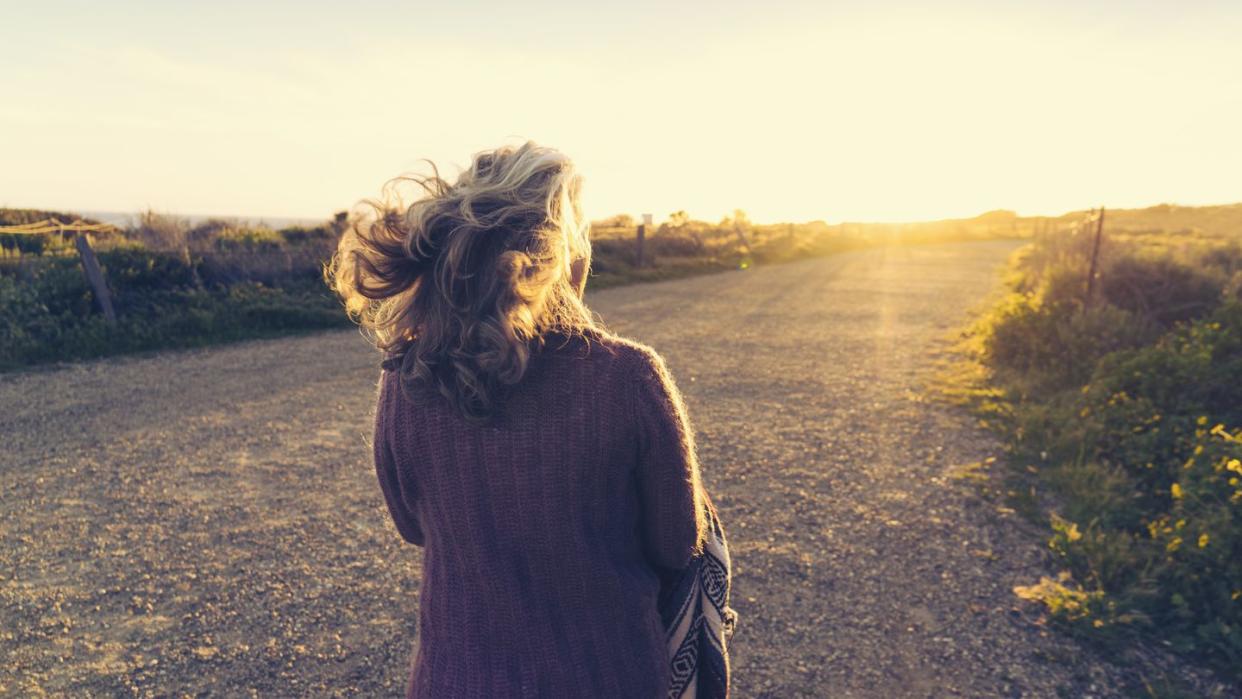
(739, 219)
(679, 224)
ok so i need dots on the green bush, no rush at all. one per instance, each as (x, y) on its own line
(675, 244)
(1057, 345)
(1131, 405)
(248, 240)
(172, 285)
(1160, 289)
(301, 235)
(1198, 543)
(132, 269)
(1145, 404)
(50, 313)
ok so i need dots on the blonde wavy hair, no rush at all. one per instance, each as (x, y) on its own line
(463, 284)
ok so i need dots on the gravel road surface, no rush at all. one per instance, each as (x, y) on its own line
(208, 522)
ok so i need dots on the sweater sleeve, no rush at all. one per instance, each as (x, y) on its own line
(669, 485)
(397, 495)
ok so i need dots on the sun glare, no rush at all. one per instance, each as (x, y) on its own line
(816, 114)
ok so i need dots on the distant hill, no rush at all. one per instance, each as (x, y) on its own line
(1225, 219)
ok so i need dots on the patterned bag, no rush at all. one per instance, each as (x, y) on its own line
(694, 606)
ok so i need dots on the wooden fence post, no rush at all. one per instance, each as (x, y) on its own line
(188, 260)
(742, 238)
(1095, 255)
(641, 253)
(94, 275)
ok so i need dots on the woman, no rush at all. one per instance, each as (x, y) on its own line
(546, 465)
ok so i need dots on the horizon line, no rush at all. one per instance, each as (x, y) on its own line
(255, 219)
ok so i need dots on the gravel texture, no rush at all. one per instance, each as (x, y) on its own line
(208, 522)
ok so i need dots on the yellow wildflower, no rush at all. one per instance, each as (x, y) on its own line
(1072, 532)
(1203, 540)
(1174, 544)
(1176, 490)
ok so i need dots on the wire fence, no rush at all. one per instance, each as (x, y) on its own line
(78, 231)
(49, 225)
(29, 250)
(46, 238)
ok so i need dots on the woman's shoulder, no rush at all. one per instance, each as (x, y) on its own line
(603, 346)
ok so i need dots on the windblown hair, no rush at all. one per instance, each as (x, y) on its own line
(464, 284)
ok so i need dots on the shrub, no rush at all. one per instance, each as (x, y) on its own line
(300, 235)
(675, 245)
(1055, 346)
(50, 315)
(1146, 402)
(1132, 406)
(1160, 289)
(248, 240)
(132, 269)
(1199, 548)
(610, 255)
(161, 232)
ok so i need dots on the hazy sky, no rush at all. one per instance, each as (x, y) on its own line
(791, 111)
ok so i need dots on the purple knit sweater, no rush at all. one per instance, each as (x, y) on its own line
(544, 532)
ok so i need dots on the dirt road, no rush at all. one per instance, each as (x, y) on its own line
(208, 522)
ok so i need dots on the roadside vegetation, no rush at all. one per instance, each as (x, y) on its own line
(181, 283)
(175, 283)
(172, 285)
(1122, 411)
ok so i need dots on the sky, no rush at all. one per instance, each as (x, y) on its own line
(791, 111)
